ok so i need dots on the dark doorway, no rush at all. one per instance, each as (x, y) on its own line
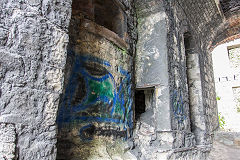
(140, 105)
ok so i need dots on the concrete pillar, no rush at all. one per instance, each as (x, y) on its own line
(198, 125)
(95, 116)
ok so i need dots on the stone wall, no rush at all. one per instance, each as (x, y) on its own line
(178, 70)
(8, 141)
(96, 103)
(33, 44)
(204, 113)
(164, 128)
(151, 59)
(89, 77)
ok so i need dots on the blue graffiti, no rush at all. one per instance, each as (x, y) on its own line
(178, 107)
(113, 102)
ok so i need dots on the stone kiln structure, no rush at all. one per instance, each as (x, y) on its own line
(110, 79)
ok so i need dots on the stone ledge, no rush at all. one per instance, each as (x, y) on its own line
(104, 32)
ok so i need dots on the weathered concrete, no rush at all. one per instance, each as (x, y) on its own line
(151, 60)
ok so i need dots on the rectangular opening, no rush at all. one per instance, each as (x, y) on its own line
(140, 105)
(144, 101)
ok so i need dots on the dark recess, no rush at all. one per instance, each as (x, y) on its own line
(140, 106)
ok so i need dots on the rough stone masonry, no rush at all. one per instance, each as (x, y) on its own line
(69, 71)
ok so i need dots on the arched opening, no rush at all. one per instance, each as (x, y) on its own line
(226, 60)
(224, 55)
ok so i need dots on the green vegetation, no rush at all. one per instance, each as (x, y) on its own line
(124, 51)
(221, 120)
(238, 109)
(218, 98)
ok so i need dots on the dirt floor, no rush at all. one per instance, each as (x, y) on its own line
(222, 151)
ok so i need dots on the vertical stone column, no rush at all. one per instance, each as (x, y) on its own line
(95, 114)
(153, 130)
(198, 124)
(195, 93)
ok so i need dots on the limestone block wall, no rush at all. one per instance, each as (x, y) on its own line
(33, 44)
(177, 69)
(178, 57)
(209, 100)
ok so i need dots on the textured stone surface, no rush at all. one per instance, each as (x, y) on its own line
(33, 44)
(227, 145)
(151, 60)
(205, 63)
(151, 56)
(104, 95)
(230, 7)
(33, 55)
(7, 141)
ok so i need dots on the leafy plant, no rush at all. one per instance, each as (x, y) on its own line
(218, 98)
(221, 120)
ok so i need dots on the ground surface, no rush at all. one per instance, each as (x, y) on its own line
(223, 149)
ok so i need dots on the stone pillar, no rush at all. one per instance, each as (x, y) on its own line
(197, 112)
(198, 124)
(95, 114)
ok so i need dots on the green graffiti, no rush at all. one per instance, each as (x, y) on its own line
(100, 89)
